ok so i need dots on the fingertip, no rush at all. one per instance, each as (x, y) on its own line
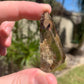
(51, 78)
(6, 28)
(44, 78)
(46, 8)
(7, 42)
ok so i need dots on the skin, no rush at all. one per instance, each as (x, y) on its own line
(12, 11)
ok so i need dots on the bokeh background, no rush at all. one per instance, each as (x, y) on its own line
(68, 17)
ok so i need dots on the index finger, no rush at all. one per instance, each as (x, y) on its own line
(15, 10)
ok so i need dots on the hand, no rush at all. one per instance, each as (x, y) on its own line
(11, 11)
(29, 76)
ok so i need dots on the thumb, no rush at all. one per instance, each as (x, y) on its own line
(29, 76)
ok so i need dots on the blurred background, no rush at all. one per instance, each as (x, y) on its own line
(68, 17)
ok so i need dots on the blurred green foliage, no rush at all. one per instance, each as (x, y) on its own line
(23, 48)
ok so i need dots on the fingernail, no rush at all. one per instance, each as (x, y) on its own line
(40, 79)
